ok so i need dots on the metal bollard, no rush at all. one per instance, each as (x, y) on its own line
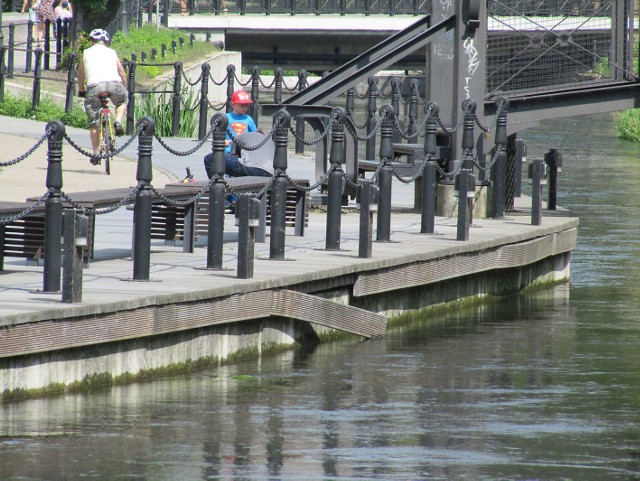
(53, 209)
(35, 94)
(466, 191)
(368, 206)
(429, 175)
(144, 200)
(231, 79)
(370, 145)
(334, 198)
(537, 173)
(302, 84)
(499, 170)
(385, 176)
(468, 141)
(395, 105)
(553, 159)
(204, 101)
(131, 87)
(278, 81)
(71, 85)
(282, 119)
(177, 99)
(215, 230)
(414, 98)
(76, 231)
(254, 108)
(247, 219)
(3, 50)
(428, 213)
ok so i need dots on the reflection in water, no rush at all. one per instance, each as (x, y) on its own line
(538, 386)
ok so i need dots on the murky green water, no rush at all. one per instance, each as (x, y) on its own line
(538, 387)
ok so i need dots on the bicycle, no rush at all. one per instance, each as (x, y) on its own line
(106, 131)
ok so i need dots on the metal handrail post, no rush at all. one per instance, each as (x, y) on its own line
(215, 229)
(282, 119)
(335, 187)
(143, 202)
(53, 208)
(385, 176)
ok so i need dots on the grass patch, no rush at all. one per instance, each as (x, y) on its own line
(628, 125)
(47, 111)
(147, 37)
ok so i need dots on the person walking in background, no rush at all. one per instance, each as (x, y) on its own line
(100, 70)
(63, 11)
(33, 4)
(44, 12)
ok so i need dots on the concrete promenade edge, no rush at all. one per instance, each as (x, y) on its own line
(178, 277)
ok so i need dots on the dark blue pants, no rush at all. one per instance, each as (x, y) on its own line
(233, 167)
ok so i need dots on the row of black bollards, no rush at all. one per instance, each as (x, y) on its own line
(372, 198)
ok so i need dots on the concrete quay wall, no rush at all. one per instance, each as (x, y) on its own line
(186, 318)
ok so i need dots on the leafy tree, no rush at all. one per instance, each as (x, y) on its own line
(90, 14)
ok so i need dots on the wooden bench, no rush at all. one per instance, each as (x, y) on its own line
(296, 206)
(102, 199)
(22, 237)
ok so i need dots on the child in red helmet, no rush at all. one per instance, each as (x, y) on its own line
(239, 123)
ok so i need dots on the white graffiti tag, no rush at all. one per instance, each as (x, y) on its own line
(473, 62)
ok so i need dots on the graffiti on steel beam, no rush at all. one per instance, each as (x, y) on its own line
(473, 62)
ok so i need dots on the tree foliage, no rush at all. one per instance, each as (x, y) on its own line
(92, 14)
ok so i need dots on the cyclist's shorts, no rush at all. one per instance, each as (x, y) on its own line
(92, 103)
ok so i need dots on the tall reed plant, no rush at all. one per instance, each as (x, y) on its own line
(160, 109)
(628, 125)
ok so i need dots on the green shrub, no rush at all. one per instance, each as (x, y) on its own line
(160, 109)
(628, 125)
(47, 111)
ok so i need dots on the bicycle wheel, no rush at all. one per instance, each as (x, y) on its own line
(107, 140)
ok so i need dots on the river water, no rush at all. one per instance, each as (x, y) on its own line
(542, 386)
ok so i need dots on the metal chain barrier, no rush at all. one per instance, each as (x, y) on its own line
(221, 81)
(490, 165)
(239, 80)
(183, 203)
(326, 132)
(186, 108)
(371, 134)
(251, 148)
(310, 187)
(107, 210)
(453, 130)
(216, 107)
(265, 85)
(349, 181)
(449, 175)
(413, 178)
(186, 79)
(364, 95)
(290, 89)
(86, 153)
(501, 109)
(171, 150)
(359, 127)
(26, 154)
(27, 211)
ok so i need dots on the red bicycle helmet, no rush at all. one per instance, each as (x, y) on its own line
(241, 97)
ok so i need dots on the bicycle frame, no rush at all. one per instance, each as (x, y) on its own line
(106, 131)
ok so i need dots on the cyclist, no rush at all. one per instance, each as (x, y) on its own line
(100, 70)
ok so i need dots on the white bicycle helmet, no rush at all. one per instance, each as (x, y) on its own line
(99, 35)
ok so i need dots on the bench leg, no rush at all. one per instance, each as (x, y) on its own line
(301, 209)
(2, 233)
(261, 230)
(188, 225)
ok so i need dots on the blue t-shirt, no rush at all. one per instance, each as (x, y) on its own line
(239, 124)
